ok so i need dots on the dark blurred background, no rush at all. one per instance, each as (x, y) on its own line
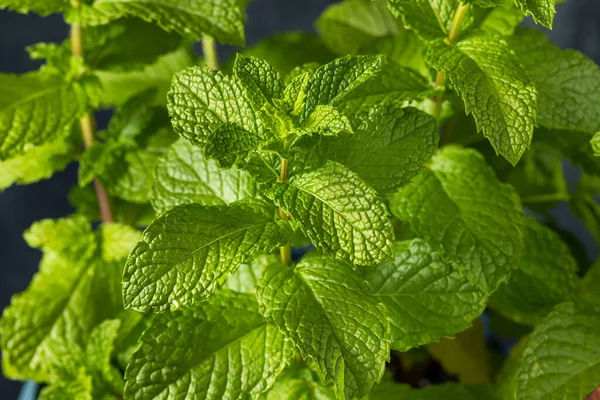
(577, 25)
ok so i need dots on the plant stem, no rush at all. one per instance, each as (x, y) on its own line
(286, 250)
(459, 16)
(209, 48)
(88, 130)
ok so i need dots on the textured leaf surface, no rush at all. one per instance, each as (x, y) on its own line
(185, 176)
(349, 26)
(223, 19)
(425, 298)
(568, 83)
(299, 384)
(459, 207)
(339, 213)
(186, 253)
(98, 358)
(448, 391)
(259, 78)
(201, 100)
(246, 278)
(546, 276)
(541, 10)
(221, 348)
(321, 305)
(77, 387)
(77, 287)
(562, 357)
(430, 19)
(494, 88)
(502, 20)
(388, 148)
(36, 108)
(42, 8)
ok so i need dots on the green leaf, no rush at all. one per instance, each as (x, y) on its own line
(573, 145)
(222, 348)
(78, 286)
(595, 143)
(584, 205)
(494, 88)
(76, 387)
(589, 289)
(431, 19)
(568, 83)
(189, 251)
(465, 356)
(230, 144)
(185, 176)
(426, 298)
(332, 82)
(389, 147)
(201, 100)
(562, 357)
(118, 87)
(350, 26)
(37, 108)
(323, 307)
(546, 276)
(246, 278)
(542, 11)
(339, 213)
(393, 84)
(106, 377)
(458, 206)
(326, 121)
(259, 78)
(36, 164)
(446, 391)
(299, 384)
(502, 20)
(285, 51)
(42, 8)
(485, 3)
(222, 19)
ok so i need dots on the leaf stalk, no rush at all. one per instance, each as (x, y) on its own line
(285, 251)
(209, 48)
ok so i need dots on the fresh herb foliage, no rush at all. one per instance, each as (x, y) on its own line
(406, 163)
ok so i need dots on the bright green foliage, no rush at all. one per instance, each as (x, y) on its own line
(494, 88)
(546, 276)
(26, 102)
(431, 19)
(339, 213)
(98, 353)
(225, 335)
(448, 391)
(77, 287)
(459, 207)
(390, 146)
(223, 19)
(595, 142)
(75, 387)
(187, 253)
(541, 10)
(43, 8)
(185, 176)
(561, 359)
(341, 327)
(246, 278)
(502, 20)
(568, 83)
(299, 384)
(426, 298)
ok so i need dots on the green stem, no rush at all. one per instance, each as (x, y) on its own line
(286, 250)
(440, 81)
(209, 48)
(88, 128)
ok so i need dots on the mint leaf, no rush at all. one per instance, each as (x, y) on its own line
(425, 297)
(223, 19)
(502, 20)
(321, 305)
(246, 278)
(37, 108)
(230, 144)
(390, 146)
(452, 206)
(36, 164)
(568, 83)
(326, 121)
(429, 19)
(189, 251)
(595, 143)
(447, 391)
(562, 357)
(118, 87)
(546, 276)
(584, 205)
(339, 213)
(98, 352)
(77, 288)
(201, 100)
(332, 82)
(222, 347)
(494, 88)
(352, 25)
(185, 176)
(77, 387)
(542, 11)
(299, 384)
(42, 8)
(490, 80)
(393, 84)
(259, 78)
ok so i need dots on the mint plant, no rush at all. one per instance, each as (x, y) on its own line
(409, 144)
